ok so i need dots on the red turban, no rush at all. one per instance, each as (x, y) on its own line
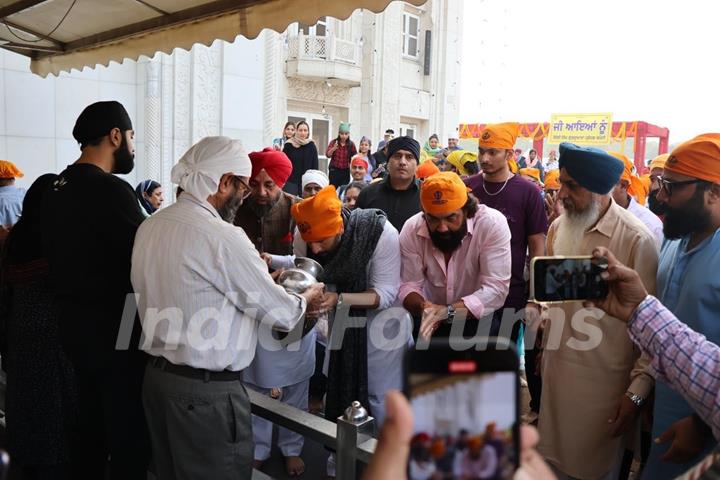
(277, 165)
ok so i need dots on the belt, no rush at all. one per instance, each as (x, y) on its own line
(195, 373)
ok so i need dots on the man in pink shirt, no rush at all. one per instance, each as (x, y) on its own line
(456, 259)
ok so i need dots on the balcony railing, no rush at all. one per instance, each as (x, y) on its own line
(313, 47)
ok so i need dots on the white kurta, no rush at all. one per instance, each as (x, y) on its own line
(651, 221)
(203, 289)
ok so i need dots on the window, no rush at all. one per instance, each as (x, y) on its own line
(317, 30)
(408, 130)
(411, 31)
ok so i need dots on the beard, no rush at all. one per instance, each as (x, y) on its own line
(124, 158)
(572, 226)
(261, 210)
(690, 217)
(656, 206)
(448, 242)
(228, 210)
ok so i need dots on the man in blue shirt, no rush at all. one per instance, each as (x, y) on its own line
(11, 197)
(688, 285)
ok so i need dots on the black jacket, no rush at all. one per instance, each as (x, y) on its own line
(303, 159)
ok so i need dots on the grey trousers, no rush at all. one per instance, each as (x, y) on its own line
(198, 430)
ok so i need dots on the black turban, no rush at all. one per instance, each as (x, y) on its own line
(404, 143)
(98, 119)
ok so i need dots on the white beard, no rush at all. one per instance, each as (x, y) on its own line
(571, 229)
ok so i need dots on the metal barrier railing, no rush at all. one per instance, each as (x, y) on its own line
(351, 437)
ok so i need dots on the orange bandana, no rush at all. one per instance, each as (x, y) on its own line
(318, 217)
(499, 135)
(9, 170)
(426, 169)
(552, 180)
(443, 193)
(697, 158)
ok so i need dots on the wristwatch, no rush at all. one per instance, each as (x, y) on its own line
(450, 314)
(636, 399)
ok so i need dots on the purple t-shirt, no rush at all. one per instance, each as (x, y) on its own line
(521, 203)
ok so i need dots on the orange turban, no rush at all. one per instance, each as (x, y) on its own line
(552, 180)
(659, 161)
(426, 169)
(437, 449)
(645, 181)
(697, 158)
(9, 170)
(513, 166)
(635, 187)
(318, 217)
(475, 443)
(443, 193)
(533, 173)
(499, 135)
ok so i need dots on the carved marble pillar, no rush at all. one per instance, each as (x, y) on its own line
(274, 104)
(153, 120)
(206, 91)
(181, 103)
(168, 158)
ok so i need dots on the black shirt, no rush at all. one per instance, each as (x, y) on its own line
(89, 222)
(398, 205)
(303, 159)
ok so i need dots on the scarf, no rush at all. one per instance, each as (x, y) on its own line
(147, 186)
(433, 152)
(347, 372)
(297, 142)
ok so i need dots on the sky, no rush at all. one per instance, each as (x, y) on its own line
(655, 61)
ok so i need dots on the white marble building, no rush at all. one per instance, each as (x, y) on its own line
(368, 69)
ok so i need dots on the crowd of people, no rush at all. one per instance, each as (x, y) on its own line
(132, 332)
(466, 457)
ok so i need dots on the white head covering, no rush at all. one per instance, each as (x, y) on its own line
(315, 176)
(199, 171)
(453, 135)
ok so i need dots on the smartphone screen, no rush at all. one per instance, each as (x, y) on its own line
(562, 279)
(465, 416)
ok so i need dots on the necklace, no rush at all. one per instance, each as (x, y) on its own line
(501, 188)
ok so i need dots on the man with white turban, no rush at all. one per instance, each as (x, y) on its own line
(203, 291)
(312, 182)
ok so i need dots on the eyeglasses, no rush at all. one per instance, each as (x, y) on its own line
(669, 186)
(246, 188)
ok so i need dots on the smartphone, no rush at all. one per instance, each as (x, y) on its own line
(567, 279)
(465, 411)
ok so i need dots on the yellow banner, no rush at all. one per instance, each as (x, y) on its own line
(580, 128)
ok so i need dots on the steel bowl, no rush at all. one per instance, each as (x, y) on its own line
(296, 280)
(309, 265)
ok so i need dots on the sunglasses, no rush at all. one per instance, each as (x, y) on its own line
(669, 186)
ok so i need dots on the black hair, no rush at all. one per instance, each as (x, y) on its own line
(471, 206)
(358, 185)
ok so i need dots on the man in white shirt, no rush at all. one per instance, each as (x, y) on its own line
(203, 290)
(624, 195)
